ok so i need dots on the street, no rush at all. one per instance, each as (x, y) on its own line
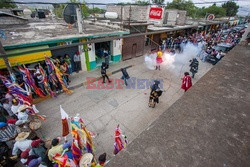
(103, 109)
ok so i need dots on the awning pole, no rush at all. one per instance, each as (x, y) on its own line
(6, 61)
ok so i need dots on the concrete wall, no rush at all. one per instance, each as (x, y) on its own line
(138, 13)
(181, 18)
(116, 50)
(7, 20)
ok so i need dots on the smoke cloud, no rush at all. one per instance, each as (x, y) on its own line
(176, 60)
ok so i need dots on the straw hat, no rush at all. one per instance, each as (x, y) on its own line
(22, 107)
(35, 124)
(86, 160)
(22, 136)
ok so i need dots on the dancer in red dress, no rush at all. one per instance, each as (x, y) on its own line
(186, 81)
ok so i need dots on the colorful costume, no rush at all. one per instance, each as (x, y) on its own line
(186, 82)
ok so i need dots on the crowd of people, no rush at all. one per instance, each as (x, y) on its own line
(17, 113)
(206, 44)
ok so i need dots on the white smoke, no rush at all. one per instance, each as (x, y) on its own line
(170, 60)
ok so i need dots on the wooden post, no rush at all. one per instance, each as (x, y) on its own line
(6, 61)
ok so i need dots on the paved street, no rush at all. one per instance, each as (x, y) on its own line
(103, 109)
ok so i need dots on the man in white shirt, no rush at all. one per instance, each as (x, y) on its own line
(22, 143)
(15, 106)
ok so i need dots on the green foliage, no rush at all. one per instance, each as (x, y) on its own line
(58, 10)
(216, 10)
(7, 4)
(142, 2)
(86, 11)
(231, 8)
(97, 10)
(159, 2)
(194, 11)
(186, 5)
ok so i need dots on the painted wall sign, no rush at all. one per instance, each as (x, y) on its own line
(155, 13)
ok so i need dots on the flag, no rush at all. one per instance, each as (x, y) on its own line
(58, 74)
(65, 126)
(30, 81)
(76, 151)
(45, 82)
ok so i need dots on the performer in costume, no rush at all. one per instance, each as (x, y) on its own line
(159, 59)
(186, 81)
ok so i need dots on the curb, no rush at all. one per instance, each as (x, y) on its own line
(38, 100)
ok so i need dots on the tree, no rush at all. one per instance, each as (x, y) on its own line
(216, 10)
(188, 6)
(231, 8)
(7, 4)
(142, 2)
(158, 2)
(58, 10)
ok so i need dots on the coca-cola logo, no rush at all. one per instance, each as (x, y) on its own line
(155, 13)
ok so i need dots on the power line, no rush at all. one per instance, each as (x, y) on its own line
(123, 4)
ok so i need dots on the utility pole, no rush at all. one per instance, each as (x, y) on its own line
(6, 61)
(79, 19)
(122, 17)
(129, 15)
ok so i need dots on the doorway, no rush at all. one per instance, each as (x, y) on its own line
(99, 48)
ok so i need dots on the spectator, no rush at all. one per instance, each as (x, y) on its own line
(8, 132)
(15, 106)
(7, 106)
(22, 143)
(68, 61)
(39, 150)
(102, 160)
(57, 148)
(77, 61)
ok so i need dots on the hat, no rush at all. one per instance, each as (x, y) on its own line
(22, 107)
(35, 124)
(2, 124)
(86, 159)
(22, 136)
(77, 52)
(35, 143)
(11, 121)
(35, 162)
(25, 153)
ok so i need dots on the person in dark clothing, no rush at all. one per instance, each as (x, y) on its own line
(106, 57)
(194, 64)
(125, 75)
(154, 94)
(20, 82)
(103, 72)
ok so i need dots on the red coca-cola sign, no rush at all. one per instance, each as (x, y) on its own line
(155, 13)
